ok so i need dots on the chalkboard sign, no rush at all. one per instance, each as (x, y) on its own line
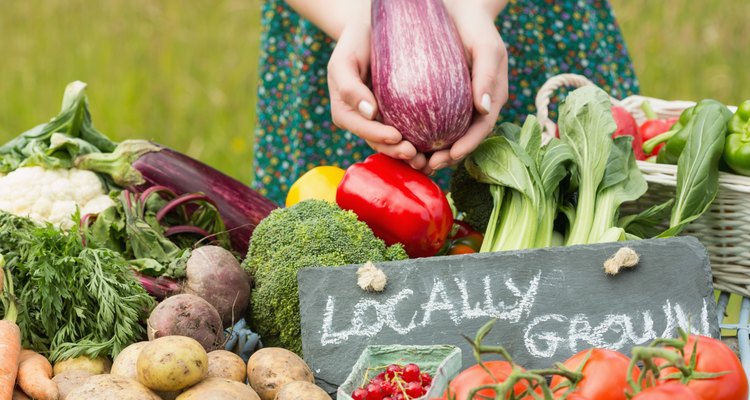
(549, 303)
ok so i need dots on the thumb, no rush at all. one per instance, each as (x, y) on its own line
(487, 60)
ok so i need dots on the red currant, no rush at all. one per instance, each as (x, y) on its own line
(426, 379)
(414, 390)
(373, 392)
(399, 396)
(411, 373)
(386, 388)
(359, 394)
(393, 370)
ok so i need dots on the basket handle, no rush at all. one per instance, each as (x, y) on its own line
(544, 95)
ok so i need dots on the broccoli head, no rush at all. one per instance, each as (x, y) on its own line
(472, 198)
(310, 233)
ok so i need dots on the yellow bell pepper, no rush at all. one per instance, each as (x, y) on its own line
(318, 183)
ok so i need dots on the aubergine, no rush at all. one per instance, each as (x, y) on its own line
(419, 73)
(139, 165)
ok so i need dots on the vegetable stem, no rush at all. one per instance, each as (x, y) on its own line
(650, 145)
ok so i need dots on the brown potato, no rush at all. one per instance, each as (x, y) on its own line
(68, 380)
(110, 387)
(172, 363)
(301, 390)
(219, 389)
(225, 364)
(124, 363)
(272, 367)
(99, 365)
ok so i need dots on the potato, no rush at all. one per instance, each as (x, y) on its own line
(301, 390)
(167, 395)
(99, 365)
(124, 364)
(272, 367)
(110, 387)
(225, 364)
(68, 380)
(172, 363)
(219, 389)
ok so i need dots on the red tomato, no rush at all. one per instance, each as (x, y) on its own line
(476, 376)
(667, 391)
(472, 239)
(604, 375)
(714, 356)
(460, 249)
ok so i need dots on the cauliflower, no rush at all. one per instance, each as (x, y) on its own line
(52, 195)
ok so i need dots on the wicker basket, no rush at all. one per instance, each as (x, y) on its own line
(724, 229)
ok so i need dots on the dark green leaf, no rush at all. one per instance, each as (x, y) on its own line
(698, 166)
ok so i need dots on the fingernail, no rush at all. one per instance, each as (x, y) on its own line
(401, 156)
(391, 141)
(458, 157)
(440, 166)
(366, 109)
(486, 102)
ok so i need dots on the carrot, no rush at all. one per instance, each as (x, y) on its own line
(18, 394)
(10, 337)
(35, 376)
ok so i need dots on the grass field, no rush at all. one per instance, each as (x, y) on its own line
(183, 73)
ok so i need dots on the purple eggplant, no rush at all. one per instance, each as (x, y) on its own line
(139, 165)
(420, 76)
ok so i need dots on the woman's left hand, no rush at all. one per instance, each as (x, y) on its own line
(488, 60)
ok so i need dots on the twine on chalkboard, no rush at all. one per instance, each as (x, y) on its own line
(624, 258)
(371, 278)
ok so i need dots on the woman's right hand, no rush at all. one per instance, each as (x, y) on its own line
(353, 106)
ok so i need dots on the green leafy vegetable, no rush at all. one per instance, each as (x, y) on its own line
(72, 300)
(698, 166)
(57, 143)
(586, 125)
(622, 182)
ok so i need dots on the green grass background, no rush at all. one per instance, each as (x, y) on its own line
(183, 72)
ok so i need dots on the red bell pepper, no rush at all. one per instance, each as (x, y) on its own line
(399, 203)
(654, 126)
(626, 125)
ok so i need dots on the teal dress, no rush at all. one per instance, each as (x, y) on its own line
(294, 132)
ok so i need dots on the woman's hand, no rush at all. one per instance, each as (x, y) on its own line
(353, 106)
(488, 60)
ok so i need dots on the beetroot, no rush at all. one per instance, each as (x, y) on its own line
(214, 274)
(187, 315)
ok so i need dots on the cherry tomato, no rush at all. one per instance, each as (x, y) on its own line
(473, 240)
(667, 391)
(604, 375)
(476, 376)
(460, 249)
(463, 229)
(712, 355)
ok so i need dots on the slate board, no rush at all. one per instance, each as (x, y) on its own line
(549, 303)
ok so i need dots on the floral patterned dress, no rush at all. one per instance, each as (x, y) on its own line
(294, 132)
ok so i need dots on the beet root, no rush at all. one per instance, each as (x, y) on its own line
(214, 274)
(187, 315)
